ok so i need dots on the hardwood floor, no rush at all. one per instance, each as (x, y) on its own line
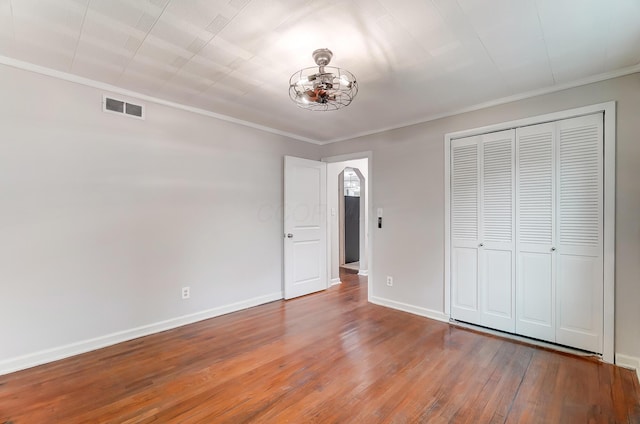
(326, 358)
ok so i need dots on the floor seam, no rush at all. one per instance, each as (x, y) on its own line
(515, 395)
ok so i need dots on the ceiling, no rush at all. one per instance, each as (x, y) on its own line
(414, 59)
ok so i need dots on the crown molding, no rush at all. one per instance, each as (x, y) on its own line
(27, 66)
(529, 94)
(65, 76)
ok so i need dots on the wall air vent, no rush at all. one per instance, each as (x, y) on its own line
(111, 105)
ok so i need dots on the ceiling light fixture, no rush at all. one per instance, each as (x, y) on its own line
(322, 88)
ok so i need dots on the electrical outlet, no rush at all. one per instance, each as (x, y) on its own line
(389, 281)
(186, 292)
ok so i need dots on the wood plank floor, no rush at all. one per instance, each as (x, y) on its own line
(326, 358)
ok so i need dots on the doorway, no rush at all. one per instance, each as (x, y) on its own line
(348, 207)
(351, 214)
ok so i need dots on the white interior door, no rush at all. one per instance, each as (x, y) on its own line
(535, 222)
(579, 308)
(465, 231)
(305, 226)
(496, 254)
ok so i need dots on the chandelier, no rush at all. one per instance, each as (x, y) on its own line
(322, 88)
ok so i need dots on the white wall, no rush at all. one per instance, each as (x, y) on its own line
(104, 218)
(333, 171)
(409, 184)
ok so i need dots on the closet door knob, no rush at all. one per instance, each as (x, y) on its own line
(553, 249)
(481, 244)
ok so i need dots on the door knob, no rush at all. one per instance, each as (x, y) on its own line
(289, 235)
(481, 244)
(553, 249)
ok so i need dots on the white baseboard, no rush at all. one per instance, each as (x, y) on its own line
(335, 281)
(628, 362)
(363, 272)
(416, 310)
(54, 354)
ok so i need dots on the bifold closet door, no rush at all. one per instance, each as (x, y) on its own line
(559, 227)
(482, 235)
(535, 222)
(465, 186)
(580, 220)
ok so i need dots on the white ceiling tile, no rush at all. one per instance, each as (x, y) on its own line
(572, 17)
(103, 71)
(528, 76)
(218, 24)
(174, 32)
(160, 51)
(200, 13)
(109, 30)
(196, 45)
(48, 26)
(623, 35)
(194, 83)
(6, 20)
(417, 16)
(146, 66)
(223, 53)
(251, 29)
(505, 16)
(516, 53)
(63, 14)
(128, 13)
(201, 67)
(50, 57)
(137, 80)
(45, 36)
(573, 26)
(397, 45)
(623, 55)
(176, 93)
(222, 91)
(99, 50)
(8, 46)
(576, 66)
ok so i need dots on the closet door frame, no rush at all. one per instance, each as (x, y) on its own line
(609, 111)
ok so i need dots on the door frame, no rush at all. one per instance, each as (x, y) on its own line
(609, 111)
(361, 220)
(370, 230)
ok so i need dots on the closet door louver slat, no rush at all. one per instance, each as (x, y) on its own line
(497, 191)
(536, 188)
(465, 192)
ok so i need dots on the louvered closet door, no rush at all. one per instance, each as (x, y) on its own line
(465, 230)
(535, 205)
(497, 238)
(579, 309)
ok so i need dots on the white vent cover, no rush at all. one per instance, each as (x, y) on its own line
(113, 105)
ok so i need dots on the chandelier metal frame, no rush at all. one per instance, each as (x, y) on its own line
(323, 88)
